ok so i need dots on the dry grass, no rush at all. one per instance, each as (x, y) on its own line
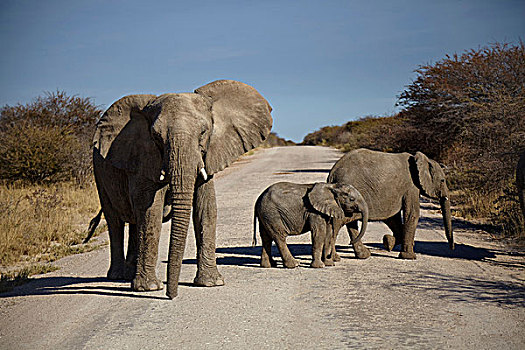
(500, 209)
(40, 224)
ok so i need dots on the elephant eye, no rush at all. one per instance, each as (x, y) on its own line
(352, 199)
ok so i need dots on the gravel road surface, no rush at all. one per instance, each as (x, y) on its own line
(471, 298)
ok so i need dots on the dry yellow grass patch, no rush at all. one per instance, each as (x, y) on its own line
(43, 223)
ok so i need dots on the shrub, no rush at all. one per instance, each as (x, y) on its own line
(37, 153)
(378, 133)
(274, 140)
(48, 139)
(469, 112)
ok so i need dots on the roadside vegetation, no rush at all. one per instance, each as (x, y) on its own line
(47, 194)
(468, 112)
(274, 140)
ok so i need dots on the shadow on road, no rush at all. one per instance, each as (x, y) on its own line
(441, 249)
(251, 256)
(436, 223)
(465, 289)
(75, 285)
(306, 171)
(448, 287)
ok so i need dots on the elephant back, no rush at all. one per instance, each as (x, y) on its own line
(382, 179)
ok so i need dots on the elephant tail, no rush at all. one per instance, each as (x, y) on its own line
(254, 241)
(92, 226)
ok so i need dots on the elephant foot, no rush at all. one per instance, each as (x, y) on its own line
(389, 242)
(291, 264)
(329, 262)
(361, 252)
(407, 255)
(123, 272)
(208, 278)
(336, 257)
(268, 263)
(317, 264)
(145, 284)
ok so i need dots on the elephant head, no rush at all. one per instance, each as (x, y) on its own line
(176, 139)
(431, 181)
(339, 201)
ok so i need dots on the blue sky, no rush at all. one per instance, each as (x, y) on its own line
(317, 62)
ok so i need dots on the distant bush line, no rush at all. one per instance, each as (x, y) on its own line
(274, 140)
(466, 111)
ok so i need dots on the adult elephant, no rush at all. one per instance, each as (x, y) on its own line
(150, 151)
(391, 184)
(520, 182)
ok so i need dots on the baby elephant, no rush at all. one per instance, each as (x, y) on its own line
(290, 209)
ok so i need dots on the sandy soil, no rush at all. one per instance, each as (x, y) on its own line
(470, 298)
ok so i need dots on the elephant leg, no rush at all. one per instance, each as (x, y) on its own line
(204, 224)
(149, 225)
(288, 259)
(395, 224)
(410, 219)
(361, 252)
(266, 254)
(335, 256)
(327, 257)
(318, 231)
(118, 268)
(336, 229)
(133, 247)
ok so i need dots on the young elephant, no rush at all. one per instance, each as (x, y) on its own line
(290, 209)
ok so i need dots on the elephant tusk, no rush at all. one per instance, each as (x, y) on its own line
(203, 174)
(162, 173)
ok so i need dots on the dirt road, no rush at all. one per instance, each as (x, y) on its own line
(472, 298)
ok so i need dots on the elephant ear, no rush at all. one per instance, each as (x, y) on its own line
(424, 170)
(123, 138)
(322, 199)
(241, 121)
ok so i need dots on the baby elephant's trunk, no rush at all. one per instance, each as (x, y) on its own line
(362, 207)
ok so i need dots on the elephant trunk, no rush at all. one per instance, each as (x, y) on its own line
(183, 173)
(447, 220)
(181, 211)
(362, 207)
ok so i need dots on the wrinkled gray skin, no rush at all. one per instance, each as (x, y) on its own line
(290, 209)
(520, 182)
(391, 184)
(154, 159)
